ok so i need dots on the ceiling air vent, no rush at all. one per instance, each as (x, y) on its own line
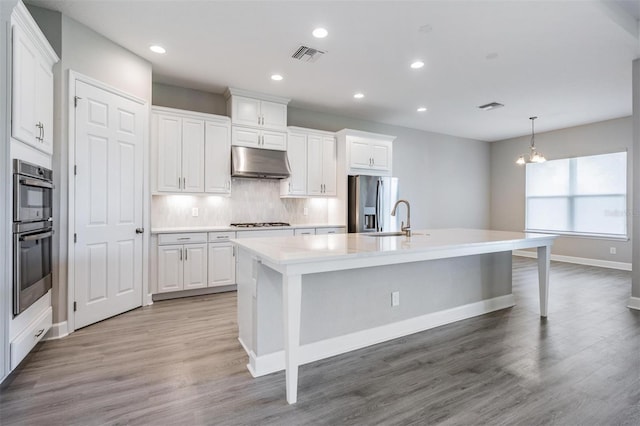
(489, 107)
(307, 54)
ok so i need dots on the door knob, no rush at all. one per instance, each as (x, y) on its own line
(139, 230)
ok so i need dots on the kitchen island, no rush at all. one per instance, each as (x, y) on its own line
(301, 299)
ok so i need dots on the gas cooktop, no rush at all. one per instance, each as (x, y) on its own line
(258, 224)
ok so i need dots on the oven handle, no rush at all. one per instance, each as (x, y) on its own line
(35, 182)
(34, 237)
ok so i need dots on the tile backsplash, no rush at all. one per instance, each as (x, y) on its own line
(251, 200)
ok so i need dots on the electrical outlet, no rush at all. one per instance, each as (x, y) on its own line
(194, 212)
(395, 298)
(612, 250)
(305, 211)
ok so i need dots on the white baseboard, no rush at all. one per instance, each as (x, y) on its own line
(57, 331)
(270, 363)
(634, 303)
(623, 266)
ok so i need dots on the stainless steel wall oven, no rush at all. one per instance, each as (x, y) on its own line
(32, 233)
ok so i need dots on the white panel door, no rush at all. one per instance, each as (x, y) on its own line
(246, 111)
(109, 135)
(195, 266)
(274, 115)
(381, 155)
(44, 105)
(329, 165)
(314, 165)
(222, 264)
(274, 140)
(359, 154)
(23, 112)
(170, 268)
(192, 155)
(297, 154)
(167, 132)
(217, 152)
(245, 136)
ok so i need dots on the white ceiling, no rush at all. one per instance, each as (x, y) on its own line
(568, 62)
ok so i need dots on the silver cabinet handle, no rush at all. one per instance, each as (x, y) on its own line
(258, 120)
(222, 237)
(184, 183)
(180, 255)
(289, 186)
(39, 333)
(186, 253)
(184, 238)
(179, 183)
(139, 230)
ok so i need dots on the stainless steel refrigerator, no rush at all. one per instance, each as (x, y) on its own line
(370, 201)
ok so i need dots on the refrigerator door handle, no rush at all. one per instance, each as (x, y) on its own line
(382, 205)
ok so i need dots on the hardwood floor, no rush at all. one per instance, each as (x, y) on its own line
(179, 362)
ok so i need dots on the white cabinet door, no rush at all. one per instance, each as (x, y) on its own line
(274, 140)
(192, 155)
(297, 154)
(274, 115)
(329, 166)
(44, 105)
(195, 266)
(25, 66)
(245, 136)
(168, 136)
(222, 264)
(381, 155)
(217, 151)
(360, 154)
(245, 111)
(314, 165)
(170, 268)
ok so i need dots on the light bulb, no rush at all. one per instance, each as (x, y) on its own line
(520, 161)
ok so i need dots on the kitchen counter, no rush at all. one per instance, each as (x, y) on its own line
(302, 299)
(167, 230)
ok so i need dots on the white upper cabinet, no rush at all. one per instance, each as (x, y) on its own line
(258, 121)
(321, 165)
(217, 151)
(367, 153)
(191, 151)
(32, 82)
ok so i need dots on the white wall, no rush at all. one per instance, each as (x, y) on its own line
(508, 180)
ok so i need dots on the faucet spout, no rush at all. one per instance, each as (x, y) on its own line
(405, 229)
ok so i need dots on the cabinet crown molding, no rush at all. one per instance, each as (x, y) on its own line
(363, 134)
(232, 91)
(22, 17)
(193, 114)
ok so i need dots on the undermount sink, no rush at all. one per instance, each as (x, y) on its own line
(388, 234)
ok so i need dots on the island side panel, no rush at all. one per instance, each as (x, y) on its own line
(343, 302)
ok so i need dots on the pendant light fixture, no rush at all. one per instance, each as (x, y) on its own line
(534, 156)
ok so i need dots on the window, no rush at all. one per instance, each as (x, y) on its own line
(581, 195)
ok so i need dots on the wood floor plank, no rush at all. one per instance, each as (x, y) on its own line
(179, 362)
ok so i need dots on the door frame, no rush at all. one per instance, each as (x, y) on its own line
(146, 202)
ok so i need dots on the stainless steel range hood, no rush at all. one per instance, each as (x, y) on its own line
(259, 163)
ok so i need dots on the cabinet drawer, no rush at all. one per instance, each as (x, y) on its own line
(305, 231)
(26, 340)
(187, 238)
(221, 237)
(337, 230)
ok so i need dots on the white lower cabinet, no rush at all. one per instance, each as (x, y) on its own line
(30, 336)
(182, 266)
(336, 230)
(222, 259)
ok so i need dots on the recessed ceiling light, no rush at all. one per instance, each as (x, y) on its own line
(157, 49)
(320, 33)
(417, 64)
(276, 77)
(421, 109)
(359, 95)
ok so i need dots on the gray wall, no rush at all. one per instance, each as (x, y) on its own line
(508, 180)
(445, 178)
(635, 286)
(86, 52)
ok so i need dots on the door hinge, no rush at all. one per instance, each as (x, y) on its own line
(75, 238)
(75, 101)
(75, 306)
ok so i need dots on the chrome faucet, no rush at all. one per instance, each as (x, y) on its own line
(405, 229)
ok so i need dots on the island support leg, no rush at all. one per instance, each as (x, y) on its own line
(291, 294)
(544, 258)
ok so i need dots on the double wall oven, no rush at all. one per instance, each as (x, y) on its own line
(32, 233)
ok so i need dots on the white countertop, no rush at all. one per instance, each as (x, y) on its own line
(170, 230)
(460, 242)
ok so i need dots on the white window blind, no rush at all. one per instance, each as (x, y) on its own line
(581, 195)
